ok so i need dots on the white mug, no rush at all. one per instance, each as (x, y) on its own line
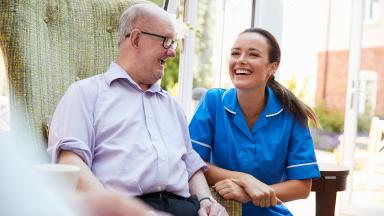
(62, 178)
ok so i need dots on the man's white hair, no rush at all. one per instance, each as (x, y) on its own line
(138, 13)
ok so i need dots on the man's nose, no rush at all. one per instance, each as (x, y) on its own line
(171, 52)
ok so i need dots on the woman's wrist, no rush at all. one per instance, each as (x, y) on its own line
(244, 177)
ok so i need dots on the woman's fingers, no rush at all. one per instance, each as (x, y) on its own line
(279, 202)
(223, 184)
(223, 191)
(268, 199)
(261, 194)
(262, 201)
(273, 200)
(247, 188)
(238, 182)
(230, 190)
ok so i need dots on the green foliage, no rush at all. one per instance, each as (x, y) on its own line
(171, 75)
(331, 120)
(364, 119)
(158, 2)
(292, 86)
(363, 123)
(203, 67)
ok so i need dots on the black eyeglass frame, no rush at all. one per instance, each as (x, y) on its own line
(173, 42)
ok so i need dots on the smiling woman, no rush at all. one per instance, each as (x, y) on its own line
(255, 136)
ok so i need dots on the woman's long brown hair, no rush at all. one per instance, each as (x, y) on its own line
(294, 105)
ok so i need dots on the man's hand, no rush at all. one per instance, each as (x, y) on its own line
(231, 191)
(211, 208)
(261, 194)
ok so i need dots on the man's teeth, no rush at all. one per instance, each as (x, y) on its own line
(242, 72)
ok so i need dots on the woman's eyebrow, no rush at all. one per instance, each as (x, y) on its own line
(254, 49)
(249, 49)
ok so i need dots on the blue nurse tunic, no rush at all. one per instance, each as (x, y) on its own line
(277, 148)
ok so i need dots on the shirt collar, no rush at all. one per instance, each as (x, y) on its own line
(230, 100)
(272, 108)
(115, 72)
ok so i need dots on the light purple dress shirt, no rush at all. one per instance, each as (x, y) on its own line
(133, 140)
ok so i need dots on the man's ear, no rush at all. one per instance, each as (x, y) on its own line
(135, 38)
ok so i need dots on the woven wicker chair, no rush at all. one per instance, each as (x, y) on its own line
(47, 46)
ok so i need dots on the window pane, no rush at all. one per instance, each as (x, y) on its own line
(315, 63)
(159, 2)
(218, 24)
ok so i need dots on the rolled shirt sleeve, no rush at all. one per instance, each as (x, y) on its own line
(71, 127)
(194, 163)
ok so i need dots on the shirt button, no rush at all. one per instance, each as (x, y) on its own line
(109, 29)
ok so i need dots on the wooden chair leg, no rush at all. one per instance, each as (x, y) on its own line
(333, 178)
(326, 199)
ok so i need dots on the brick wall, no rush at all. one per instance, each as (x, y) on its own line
(332, 76)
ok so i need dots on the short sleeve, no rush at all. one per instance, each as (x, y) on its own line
(301, 160)
(201, 127)
(71, 127)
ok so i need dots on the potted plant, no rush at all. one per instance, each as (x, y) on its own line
(331, 126)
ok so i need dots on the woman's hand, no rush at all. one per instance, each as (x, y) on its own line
(232, 191)
(261, 194)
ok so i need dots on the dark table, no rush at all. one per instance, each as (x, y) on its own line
(333, 179)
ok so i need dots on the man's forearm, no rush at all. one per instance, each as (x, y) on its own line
(198, 185)
(87, 181)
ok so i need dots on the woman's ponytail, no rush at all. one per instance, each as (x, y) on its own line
(294, 105)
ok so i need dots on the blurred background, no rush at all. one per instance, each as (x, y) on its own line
(332, 58)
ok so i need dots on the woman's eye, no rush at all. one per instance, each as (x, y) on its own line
(235, 54)
(254, 54)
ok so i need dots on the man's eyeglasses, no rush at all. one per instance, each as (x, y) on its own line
(167, 42)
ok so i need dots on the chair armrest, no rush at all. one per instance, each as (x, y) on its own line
(234, 208)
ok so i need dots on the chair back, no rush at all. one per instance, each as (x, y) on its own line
(376, 136)
(48, 45)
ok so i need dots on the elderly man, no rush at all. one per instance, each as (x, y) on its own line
(128, 134)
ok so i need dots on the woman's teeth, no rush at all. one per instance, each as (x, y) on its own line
(242, 72)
